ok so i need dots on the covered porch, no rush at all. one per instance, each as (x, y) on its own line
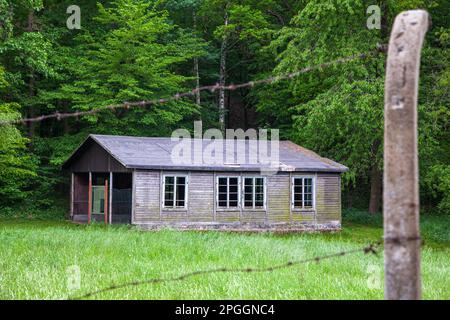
(101, 196)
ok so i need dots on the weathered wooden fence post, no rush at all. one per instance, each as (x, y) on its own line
(401, 182)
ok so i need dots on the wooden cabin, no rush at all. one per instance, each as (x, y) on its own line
(121, 179)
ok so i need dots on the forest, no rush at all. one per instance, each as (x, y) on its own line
(133, 50)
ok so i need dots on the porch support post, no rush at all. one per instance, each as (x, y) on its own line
(106, 201)
(110, 196)
(90, 197)
(71, 194)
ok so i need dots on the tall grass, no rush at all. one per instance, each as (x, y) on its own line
(37, 260)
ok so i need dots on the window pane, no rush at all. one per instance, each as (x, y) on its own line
(259, 189)
(228, 192)
(180, 192)
(169, 180)
(308, 185)
(303, 193)
(169, 192)
(248, 192)
(297, 204)
(168, 195)
(259, 181)
(168, 198)
(248, 204)
(234, 188)
(180, 203)
(181, 180)
(169, 188)
(174, 191)
(233, 204)
(259, 198)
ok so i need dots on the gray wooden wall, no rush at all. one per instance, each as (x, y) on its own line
(147, 195)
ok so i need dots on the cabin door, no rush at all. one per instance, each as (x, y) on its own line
(98, 199)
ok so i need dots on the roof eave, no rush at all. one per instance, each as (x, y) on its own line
(234, 169)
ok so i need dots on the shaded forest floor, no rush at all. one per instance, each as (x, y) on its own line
(38, 259)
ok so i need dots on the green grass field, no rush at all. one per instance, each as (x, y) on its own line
(36, 258)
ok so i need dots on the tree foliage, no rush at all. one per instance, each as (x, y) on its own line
(133, 50)
(16, 166)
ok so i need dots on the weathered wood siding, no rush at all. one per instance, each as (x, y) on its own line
(201, 207)
(278, 198)
(201, 197)
(328, 198)
(146, 196)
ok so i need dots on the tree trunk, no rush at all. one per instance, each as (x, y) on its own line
(350, 197)
(196, 72)
(31, 111)
(375, 189)
(66, 126)
(31, 82)
(384, 21)
(222, 74)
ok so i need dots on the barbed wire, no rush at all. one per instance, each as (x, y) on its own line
(231, 87)
(371, 248)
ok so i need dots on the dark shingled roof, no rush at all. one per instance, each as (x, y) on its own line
(155, 153)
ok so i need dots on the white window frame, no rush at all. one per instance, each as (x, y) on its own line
(254, 192)
(228, 193)
(294, 208)
(186, 187)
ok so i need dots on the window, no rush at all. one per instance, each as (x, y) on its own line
(227, 192)
(303, 193)
(175, 192)
(254, 193)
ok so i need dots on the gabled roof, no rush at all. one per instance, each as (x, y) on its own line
(155, 153)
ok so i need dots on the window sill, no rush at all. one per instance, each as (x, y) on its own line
(306, 211)
(240, 209)
(174, 210)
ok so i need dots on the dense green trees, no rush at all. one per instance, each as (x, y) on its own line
(131, 50)
(136, 55)
(16, 166)
(338, 112)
